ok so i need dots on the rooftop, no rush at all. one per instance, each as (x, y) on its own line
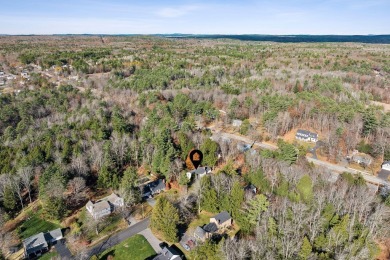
(34, 243)
(210, 227)
(222, 217)
(200, 232)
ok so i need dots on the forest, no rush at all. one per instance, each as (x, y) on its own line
(141, 104)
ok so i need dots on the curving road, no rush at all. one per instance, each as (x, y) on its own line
(334, 167)
(119, 237)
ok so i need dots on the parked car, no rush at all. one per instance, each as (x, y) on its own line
(186, 247)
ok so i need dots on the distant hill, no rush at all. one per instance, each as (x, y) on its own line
(381, 39)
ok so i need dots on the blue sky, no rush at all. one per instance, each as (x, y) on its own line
(202, 17)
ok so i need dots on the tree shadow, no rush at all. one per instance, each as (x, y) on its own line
(109, 253)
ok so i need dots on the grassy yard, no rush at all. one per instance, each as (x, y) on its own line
(135, 248)
(48, 256)
(35, 225)
(202, 219)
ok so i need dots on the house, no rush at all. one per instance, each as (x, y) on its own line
(152, 188)
(38, 244)
(222, 220)
(1, 73)
(2, 82)
(198, 173)
(386, 166)
(242, 147)
(307, 136)
(168, 253)
(362, 159)
(105, 206)
(24, 74)
(200, 234)
(251, 188)
(237, 123)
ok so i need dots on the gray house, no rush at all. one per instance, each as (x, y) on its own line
(168, 253)
(362, 159)
(150, 189)
(198, 173)
(38, 244)
(105, 206)
(307, 136)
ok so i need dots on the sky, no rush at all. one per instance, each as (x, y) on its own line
(343, 17)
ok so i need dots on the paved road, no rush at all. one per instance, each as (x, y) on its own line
(244, 139)
(119, 237)
(338, 168)
(334, 167)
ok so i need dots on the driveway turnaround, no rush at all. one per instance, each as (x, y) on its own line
(153, 241)
(62, 250)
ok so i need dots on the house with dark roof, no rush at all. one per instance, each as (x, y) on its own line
(307, 136)
(217, 223)
(152, 188)
(104, 206)
(168, 253)
(38, 244)
(199, 172)
(222, 220)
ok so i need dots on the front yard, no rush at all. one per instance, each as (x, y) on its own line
(135, 248)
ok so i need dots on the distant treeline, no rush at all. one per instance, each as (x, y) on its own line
(382, 39)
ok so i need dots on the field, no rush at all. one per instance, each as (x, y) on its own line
(135, 248)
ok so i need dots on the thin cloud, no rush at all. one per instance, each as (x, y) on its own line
(173, 12)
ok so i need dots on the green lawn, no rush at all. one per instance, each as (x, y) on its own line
(35, 225)
(48, 256)
(134, 248)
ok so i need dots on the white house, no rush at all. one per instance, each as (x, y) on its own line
(237, 123)
(198, 173)
(105, 206)
(306, 136)
(386, 166)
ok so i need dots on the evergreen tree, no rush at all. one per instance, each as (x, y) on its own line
(209, 195)
(305, 188)
(9, 200)
(55, 208)
(306, 249)
(165, 218)
(236, 199)
(209, 149)
(287, 152)
(256, 207)
(128, 186)
(369, 122)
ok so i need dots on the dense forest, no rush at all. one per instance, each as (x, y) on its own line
(140, 104)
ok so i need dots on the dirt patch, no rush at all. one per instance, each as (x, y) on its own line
(386, 107)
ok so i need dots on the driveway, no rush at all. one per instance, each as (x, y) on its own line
(62, 250)
(119, 237)
(153, 241)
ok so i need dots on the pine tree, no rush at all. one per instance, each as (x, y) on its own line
(9, 200)
(305, 188)
(209, 149)
(257, 206)
(165, 218)
(128, 186)
(306, 249)
(236, 199)
(208, 196)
